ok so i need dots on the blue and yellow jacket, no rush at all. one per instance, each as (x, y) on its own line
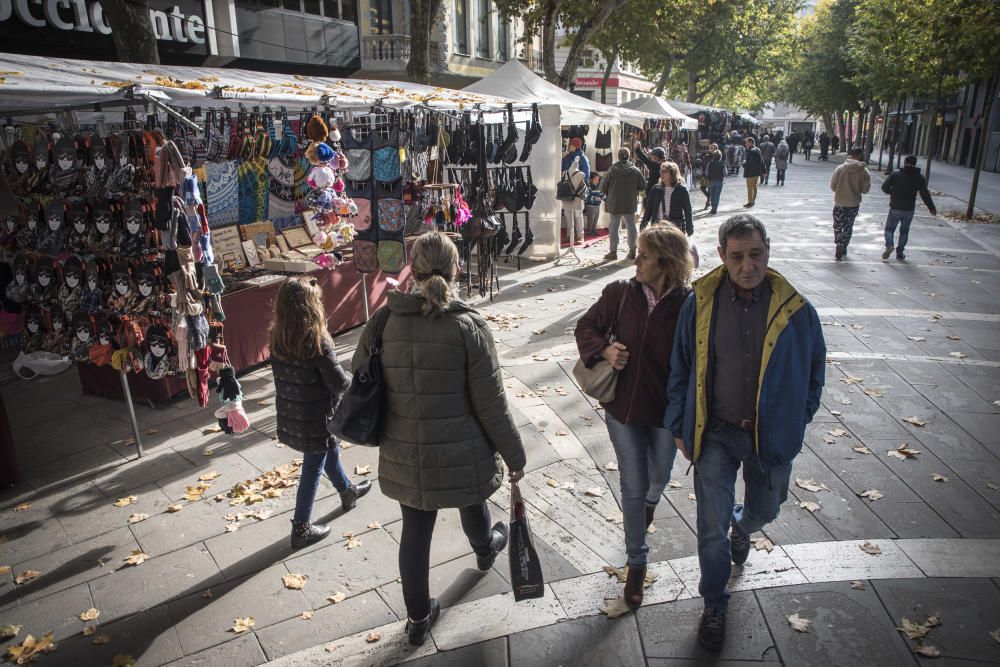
(791, 370)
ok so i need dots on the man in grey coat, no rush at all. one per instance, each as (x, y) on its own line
(622, 186)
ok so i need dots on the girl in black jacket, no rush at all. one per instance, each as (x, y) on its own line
(308, 385)
(678, 208)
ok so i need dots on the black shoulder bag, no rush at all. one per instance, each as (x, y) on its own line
(358, 418)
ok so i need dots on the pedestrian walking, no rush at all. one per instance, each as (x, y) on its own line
(752, 167)
(902, 186)
(308, 385)
(640, 352)
(782, 154)
(767, 149)
(651, 161)
(446, 426)
(720, 422)
(622, 186)
(849, 182)
(669, 201)
(593, 204)
(716, 173)
(793, 144)
(824, 147)
(807, 145)
(701, 171)
(835, 143)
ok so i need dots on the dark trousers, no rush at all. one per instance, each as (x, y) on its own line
(781, 177)
(415, 551)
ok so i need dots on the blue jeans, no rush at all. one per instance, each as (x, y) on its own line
(901, 218)
(724, 448)
(645, 458)
(313, 465)
(715, 193)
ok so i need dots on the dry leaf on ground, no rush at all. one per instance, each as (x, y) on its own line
(917, 339)
(938, 477)
(762, 544)
(4, 569)
(838, 433)
(958, 355)
(810, 485)
(30, 648)
(26, 576)
(123, 661)
(90, 615)
(912, 629)
(851, 379)
(809, 505)
(353, 543)
(337, 597)
(916, 421)
(306, 616)
(836, 413)
(799, 624)
(209, 476)
(858, 585)
(651, 529)
(176, 507)
(614, 607)
(374, 525)
(242, 625)
(611, 465)
(101, 639)
(561, 434)
(594, 492)
(137, 517)
(616, 516)
(674, 484)
(152, 431)
(9, 631)
(553, 483)
(22, 507)
(232, 527)
(211, 429)
(870, 549)
(693, 497)
(872, 495)
(991, 486)
(373, 637)
(996, 635)
(927, 650)
(294, 582)
(875, 391)
(616, 572)
(861, 449)
(362, 470)
(89, 630)
(127, 500)
(903, 452)
(207, 595)
(137, 557)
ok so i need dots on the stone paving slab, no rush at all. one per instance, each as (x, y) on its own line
(485, 654)
(493, 617)
(834, 561)
(149, 634)
(587, 642)
(59, 612)
(453, 583)
(242, 652)
(948, 558)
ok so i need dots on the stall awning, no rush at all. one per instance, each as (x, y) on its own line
(660, 107)
(519, 83)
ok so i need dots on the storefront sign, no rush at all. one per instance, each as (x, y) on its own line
(595, 82)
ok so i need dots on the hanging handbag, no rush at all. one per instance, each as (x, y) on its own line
(526, 578)
(599, 381)
(358, 418)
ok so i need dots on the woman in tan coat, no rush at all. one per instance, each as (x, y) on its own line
(446, 429)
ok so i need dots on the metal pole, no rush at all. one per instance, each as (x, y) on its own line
(131, 413)
(364, 294)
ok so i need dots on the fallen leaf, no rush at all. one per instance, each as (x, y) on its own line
(958, 355)
(991, 486)
(152, 431)
(762, 544)
(937, 477)
(373, 637)
(123, 661)
(611, 465)
(22, 507)
(903, 452)
(137, 557)
(294, 582)
(913, 630)
(594, 492)
(11, 631)
(175, 508)
(850, 379)
(617, 572)
(693, 497)
(561, 433)
(870, 548)
(124, 502)
(362, 470)
(674, 484)
(26, 576)
(353, 543)
(4, 569)
(101, 639)
(90, 615)
(858, 585)
(954, 337)
(232, 527)
(614, 607)
(836, 413)
(872, 494)
(809, 505)
(374, 525)
(799, 624)
(916, 421)
(306, 616)
(616, 516)
(30, 648)
(212, 429)
(337, 597)
(207, 595)
(263, 404)
(933, 621)
(876, 392)
(209, 476)
(242, 625)
(651, 529)
(137, 517)
(553, 483)
(839, 433)
(917, 339)
(89, 630)
(810, 485)
(996, 635)
(861, 449)
(926, 650)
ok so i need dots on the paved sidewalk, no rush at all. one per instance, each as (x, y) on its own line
(917, 340)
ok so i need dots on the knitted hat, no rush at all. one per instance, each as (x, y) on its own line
(65, 148)
(83, 321)
(316, 129)
(146, 272)
(32, 314)
(103, 327)
(121, 269)
(73, 266)
(157, 332)
(21, 152)
(45, 265)
(77, 211)
(136, 208)
(55, 209)
(96, 148)
(55, 315)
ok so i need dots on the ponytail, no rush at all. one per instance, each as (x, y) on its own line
(434, 260)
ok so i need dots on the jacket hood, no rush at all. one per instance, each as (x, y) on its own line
(623, 167)
(406, 303)
(854, 165)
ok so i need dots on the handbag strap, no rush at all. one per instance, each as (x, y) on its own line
(613, 329)
(383, 317)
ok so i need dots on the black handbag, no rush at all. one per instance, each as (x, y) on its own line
(358, 418)
(526, 578)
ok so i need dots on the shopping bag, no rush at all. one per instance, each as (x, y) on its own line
(525, 569)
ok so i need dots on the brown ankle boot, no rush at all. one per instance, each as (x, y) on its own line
(633, 586)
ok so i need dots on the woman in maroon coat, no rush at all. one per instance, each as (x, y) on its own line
(641, 354)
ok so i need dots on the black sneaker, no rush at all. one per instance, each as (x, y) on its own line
(712, 630)
(417, 631)
(739, 547)
(499, 542)
(887, 252)
(304, 534)
(349, 498)
(841, 251)
(900, 255)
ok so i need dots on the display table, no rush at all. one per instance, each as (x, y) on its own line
(248, 316)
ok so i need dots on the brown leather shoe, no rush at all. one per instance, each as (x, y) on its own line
(633, 586)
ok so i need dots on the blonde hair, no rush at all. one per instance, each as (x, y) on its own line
(435, 261)
(668, 244)
(298, 330)
(673, 169)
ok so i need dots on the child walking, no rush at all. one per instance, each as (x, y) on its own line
(593, 204)
(309, 383)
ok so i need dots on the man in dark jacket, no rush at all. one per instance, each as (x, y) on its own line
(753, 165)
(767, 149)
(902, 186)
(622, 186)
(741, 396)
(651, 162)
(716, 174)
(793, 145)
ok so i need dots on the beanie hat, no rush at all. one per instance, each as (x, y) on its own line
(73, 266)
(324, 153)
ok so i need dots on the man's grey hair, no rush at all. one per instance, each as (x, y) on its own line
(740, 225)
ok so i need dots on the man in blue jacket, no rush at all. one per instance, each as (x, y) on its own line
(746, 375)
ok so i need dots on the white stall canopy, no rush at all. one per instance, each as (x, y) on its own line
(662, 109)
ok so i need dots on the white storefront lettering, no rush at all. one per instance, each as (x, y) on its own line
(169, 25)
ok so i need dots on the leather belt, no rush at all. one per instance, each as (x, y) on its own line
(743, 425)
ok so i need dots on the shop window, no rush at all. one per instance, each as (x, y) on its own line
(483, 30)
(503, 39)
(381, 16)
(292, 5)
(331, 9)
(462, 27)
(348, 11)
(312, 7)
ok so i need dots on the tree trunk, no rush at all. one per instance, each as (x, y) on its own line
(882, 136)
(132, 31)
(983, 138)
(422, 13)
(582, 38)
(607, 74)
(894, 145)
(828, 122)
(549, 41)
(842, 127)
(850, 131)
(869, 145)
(692, 88)
(665, 75)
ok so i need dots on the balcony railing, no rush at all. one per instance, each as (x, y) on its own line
(385, 52)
